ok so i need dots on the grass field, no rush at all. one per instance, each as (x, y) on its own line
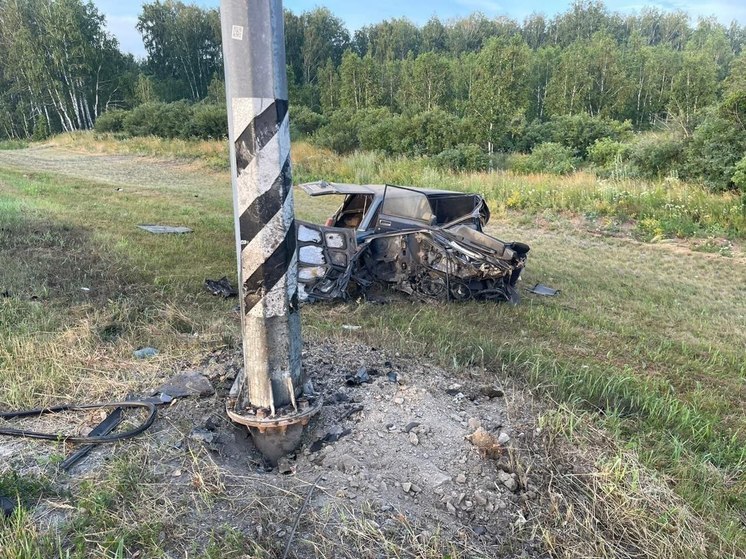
(647, 341)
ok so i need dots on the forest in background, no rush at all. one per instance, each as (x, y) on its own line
(651, 95)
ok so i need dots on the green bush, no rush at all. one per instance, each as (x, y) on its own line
(549, 157)
(578, 132)
(208, 121)
(610, 158)
(464, 157)
(304, 121)
(656, 155)
(13, 144)
(111, 121)
(717, 146)
(739, 176)
(605, 152)
(41, 128)
(167, 120)
(342, 133)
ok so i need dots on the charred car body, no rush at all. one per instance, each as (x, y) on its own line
(427, 243)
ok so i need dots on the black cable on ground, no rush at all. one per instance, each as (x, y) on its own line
(153, 412)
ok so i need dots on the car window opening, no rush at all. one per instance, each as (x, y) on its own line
(351, 214)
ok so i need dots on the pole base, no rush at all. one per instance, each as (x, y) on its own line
(278, 435)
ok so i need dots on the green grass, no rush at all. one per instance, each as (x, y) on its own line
(646, 338)
(655, 210)
(13, 144)
(668, 208)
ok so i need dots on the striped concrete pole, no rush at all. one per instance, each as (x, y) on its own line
(257, 100)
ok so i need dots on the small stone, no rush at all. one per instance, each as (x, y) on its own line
(398, 400)
(284, 466)
(7, 506)
(453, 389)
(439, 479)
(176, 473)
(480, 499)
(503, 438)
(474, 423)
(491, 391)
(507, 480)
(392, 376)
(406, 486)
(450, 507)
(145, 352)
(202, 435)
(416, 488)
(191, 383)
(411, 425)
(413, 439)
(461, 478)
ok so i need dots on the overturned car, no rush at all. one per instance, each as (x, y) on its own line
(423, 242)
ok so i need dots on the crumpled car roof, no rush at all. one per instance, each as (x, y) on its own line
(320, 188)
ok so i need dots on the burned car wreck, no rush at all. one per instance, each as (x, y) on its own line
(426, 243)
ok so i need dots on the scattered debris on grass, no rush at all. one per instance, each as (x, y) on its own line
(221, 287)
(437, 463)
(541, 289)
(165, 229)
(145, 352)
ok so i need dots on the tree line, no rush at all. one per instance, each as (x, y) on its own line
(462, 91)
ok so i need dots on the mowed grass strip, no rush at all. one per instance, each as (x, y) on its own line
(650, 337)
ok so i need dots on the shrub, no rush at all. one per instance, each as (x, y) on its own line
(717, 146)
(208, 121)
(605, 152)
(13, 144)
(464, 157)
(577, 132)
(342, 133)
(111, 121)
(41, 128)
(610, 158)
(167, 120)
(304, 121)
(549, 157)
(656, 155)
(739, 176)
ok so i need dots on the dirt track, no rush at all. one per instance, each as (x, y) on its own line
(114, 169)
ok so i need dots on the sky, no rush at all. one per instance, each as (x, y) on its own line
(121, 15)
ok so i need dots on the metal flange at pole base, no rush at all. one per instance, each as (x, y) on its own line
(276, 435)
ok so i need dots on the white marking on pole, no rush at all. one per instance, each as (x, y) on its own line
(262, 171)
(246, 109)
(275, 301)
(268, 238)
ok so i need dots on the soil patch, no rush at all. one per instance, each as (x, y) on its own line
(391, 452)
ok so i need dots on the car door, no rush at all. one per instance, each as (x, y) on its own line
(325, 258)
(403, 208)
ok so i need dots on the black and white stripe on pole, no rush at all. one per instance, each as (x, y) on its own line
(256, 94)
